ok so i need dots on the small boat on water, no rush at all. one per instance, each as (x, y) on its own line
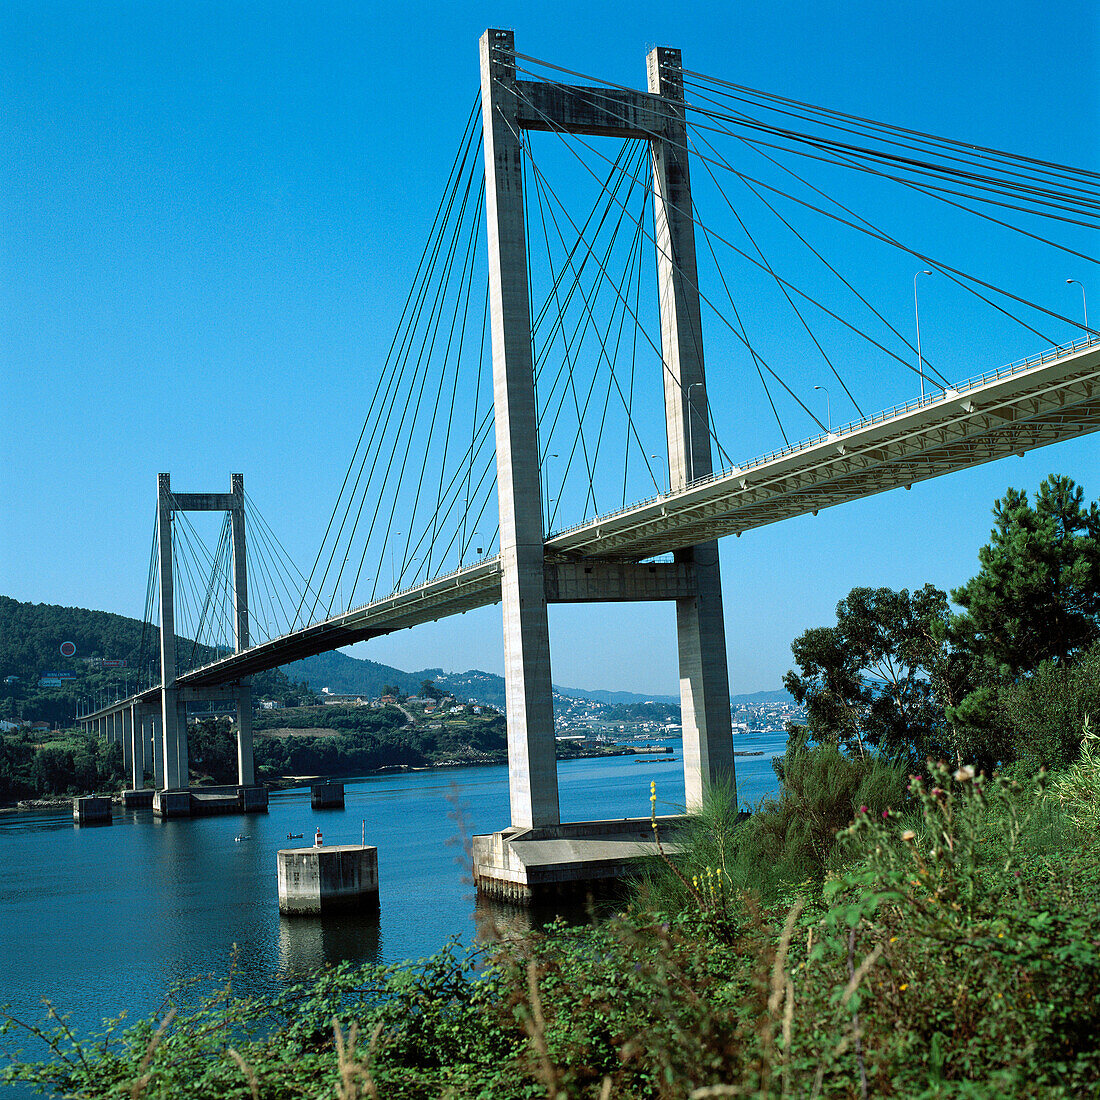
(294, 836)
(241, 836)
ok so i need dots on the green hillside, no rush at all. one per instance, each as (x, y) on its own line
(344, 675)
(31, 636)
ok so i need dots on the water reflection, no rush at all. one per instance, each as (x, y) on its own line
(306, 944)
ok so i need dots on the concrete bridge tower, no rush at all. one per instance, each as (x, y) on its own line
(171, 759)
(529, 580)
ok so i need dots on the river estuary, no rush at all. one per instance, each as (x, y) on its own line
(101, 919)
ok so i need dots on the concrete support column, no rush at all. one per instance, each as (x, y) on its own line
(171, 732)
(137, 747)
(246, 771)
(157, 746)
(532, 762)
(126, 730)
(700, 624)
(181, 755)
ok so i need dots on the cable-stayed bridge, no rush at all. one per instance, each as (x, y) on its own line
(1031, 404)
(516, 414)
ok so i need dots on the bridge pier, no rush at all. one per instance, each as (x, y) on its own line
(123, 725)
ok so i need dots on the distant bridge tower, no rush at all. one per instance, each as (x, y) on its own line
(172, 769)
(529, 581)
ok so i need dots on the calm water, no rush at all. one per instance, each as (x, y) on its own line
(104, 918)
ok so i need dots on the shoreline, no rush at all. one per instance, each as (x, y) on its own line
(276, 784)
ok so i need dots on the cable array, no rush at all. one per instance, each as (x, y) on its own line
(808, 232)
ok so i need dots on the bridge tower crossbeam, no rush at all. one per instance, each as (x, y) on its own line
(528, 580)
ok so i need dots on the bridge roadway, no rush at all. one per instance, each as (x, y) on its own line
(1038, 401)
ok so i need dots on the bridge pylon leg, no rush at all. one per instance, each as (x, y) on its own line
(700, 623)
(156, 735)
(532, 759)
(246, 771)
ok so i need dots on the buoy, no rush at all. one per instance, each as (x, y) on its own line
(317, 840)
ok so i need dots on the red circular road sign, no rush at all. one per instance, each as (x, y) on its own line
(68, 649)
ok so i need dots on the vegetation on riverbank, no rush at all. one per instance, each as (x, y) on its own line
(43, 764)
(946, 947)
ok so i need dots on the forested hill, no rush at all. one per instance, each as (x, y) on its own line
(31, 636)
(344, 675)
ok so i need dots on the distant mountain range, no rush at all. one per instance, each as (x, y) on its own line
(30, 635)
(342, 674)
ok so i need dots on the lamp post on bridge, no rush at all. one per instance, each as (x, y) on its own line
(828, 409)
(657, 458)
(916, 315)
(1084, 303)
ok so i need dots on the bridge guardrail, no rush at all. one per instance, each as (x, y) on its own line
(949, 393)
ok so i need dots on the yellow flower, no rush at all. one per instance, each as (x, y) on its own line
(893, 939)
(1000, 935)
(903, 987)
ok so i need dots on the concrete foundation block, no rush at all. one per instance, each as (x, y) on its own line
(325, 796)
(171, 804)
(323, 880)
(529, 866)
(137, 800)
(92, 811)
(253, 799)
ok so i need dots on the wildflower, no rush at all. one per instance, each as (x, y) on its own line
(903, 987)
(908, 835)
(863, 809)
(886, 812)
(964, 773)
(893, 939)
(1000, 935)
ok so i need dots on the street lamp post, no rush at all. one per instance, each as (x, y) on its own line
(828, 408)
(916, 314)
(657, 458)
(393, 567)
(1084, 302)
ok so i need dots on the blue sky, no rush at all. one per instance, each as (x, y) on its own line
(211, 212)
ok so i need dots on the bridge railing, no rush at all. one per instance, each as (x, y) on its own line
(948, 393)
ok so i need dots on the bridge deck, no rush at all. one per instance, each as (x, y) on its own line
(1030, 404)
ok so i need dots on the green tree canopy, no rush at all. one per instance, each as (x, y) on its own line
(881, 676)
(1037, 595)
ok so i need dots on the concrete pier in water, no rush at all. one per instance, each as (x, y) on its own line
(530, 865)
(322, 880)
(210, 801)
(90, 810)
(327, 796)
